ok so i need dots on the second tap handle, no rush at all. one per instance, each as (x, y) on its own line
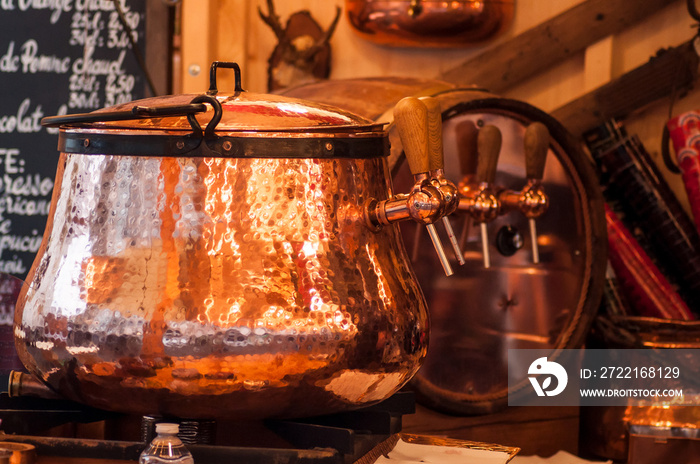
(411, 118)
(436, 157)
(536, 144)
(489, 146)
(466, 137)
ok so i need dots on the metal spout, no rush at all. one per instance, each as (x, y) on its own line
(23, 384)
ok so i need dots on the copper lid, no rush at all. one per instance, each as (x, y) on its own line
(244, 112)
(240, 111)
(238, 124)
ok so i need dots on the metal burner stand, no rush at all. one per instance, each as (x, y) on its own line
(342, 438)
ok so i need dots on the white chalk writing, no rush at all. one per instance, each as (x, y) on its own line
(13, 266)
(22, 121)
(33, 63)
(30, 185)
(22, 207)
(90, 70)
(21, 243)
(12, 166)
(57, 6)
(99, 5)
(88, 65)
(9, 62)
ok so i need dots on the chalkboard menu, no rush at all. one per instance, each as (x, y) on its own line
(56, 57)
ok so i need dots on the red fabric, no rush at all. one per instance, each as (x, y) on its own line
(647, 290)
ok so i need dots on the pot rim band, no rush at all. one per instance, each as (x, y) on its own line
(223, 146)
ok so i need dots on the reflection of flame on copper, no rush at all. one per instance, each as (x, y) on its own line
(681, 412)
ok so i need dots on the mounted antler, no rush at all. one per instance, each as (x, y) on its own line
(272, 20)
(303, 50)
(325, 39)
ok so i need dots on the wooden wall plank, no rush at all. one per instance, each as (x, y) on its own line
(232, 33)
(508, 63)
(669, 71)
(598, 63)
(198, 46)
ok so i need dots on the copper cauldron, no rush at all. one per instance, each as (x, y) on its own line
(227, 272)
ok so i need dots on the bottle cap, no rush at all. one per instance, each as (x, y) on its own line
(165, 427)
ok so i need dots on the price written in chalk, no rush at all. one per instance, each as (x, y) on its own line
(56, 57)
(119, 89)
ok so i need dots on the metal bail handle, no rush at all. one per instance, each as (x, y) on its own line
(211, 126)
(136, 112)
(213, 90)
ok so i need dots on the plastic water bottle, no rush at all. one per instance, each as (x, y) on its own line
(166, 447)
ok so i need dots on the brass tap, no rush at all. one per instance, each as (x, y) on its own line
(532, 200)
(436, 164)
(482, 200)
(432, 197)
(478, 198)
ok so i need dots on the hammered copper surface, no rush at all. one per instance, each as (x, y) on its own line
(212, 287)
(243, 112)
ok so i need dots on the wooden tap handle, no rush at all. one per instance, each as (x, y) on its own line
(536, 144)
(436, 157)
(489, 146)
(411, 118)
(466, 135)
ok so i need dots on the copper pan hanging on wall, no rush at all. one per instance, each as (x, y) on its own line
(429, 23)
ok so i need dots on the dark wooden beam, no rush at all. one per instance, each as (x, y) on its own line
(511, 62)
(671, 70)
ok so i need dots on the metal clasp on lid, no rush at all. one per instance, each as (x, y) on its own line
(213, 90)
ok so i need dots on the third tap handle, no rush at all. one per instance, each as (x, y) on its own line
(411, 118)
(489, 146)
(466, 137)
(536, 144)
